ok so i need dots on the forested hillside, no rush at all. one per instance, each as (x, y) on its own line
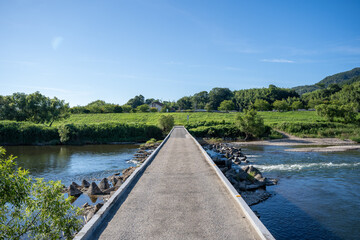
(342, 78)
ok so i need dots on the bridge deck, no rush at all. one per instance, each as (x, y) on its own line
(179, 196)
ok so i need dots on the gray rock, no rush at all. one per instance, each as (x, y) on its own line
(259, 177)
(230, 173)
(73, 191)
(98, 206)
(107, 191)
(104, 184)
(94, 189)
(255, 185)
(89, 216)
(245, 169)
(114, 179)
(85, 184)
(241, 175)
(75, 184)
(240, 186)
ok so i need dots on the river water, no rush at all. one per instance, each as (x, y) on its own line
(318, 195)
(74, 163)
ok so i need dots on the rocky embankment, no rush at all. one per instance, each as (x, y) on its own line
(247, 179)
(107, 186)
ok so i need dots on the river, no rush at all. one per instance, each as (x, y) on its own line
(317, 196)
(74, 163)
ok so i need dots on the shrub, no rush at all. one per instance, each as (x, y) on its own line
(251, 124)
(166, 123)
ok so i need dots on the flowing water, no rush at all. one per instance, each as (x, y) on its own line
(74, 163)
(318, 195)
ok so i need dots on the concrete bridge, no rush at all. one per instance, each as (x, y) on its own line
(178, 193)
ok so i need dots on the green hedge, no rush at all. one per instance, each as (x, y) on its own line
(216, 131)
(24, 133)
(108, 132)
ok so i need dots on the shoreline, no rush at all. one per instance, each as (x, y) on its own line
(310, 144)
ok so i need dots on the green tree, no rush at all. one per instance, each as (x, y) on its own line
(184, 103)
(226, 105)
(143, 108)
(35, 209)
(34, 107)
(153, 109)
(166, 123)
(281, 105)
(126, 108)
(217, 95)
(329, 111)
(136, 101)
(118, 109)
(296, 105)
(200, 99)
(251, 124)
(262, 105)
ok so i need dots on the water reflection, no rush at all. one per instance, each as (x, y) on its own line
(73, 163)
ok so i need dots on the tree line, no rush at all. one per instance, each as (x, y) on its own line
(33, 107)
(333, 102)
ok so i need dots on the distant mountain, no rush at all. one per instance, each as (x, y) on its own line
(342, 78)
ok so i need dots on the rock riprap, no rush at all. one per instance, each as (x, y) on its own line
(247, 180)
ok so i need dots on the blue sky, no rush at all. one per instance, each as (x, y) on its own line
(82, 51)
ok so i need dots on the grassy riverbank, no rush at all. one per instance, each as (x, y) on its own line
(298, 123)
(194, 117)
(24, 133)
(130, 127)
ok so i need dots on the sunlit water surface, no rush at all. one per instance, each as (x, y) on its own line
(74, 163)
(318, 195)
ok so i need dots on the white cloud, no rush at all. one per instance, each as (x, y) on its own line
(277, 60)
(56, 42)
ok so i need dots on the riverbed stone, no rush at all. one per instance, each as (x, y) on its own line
(98, 206)
(107, 191)
(73, 191)
(85, 184)
(127, 172)
(75, 184)
(241, 175)
(94, 189)
(104, 184)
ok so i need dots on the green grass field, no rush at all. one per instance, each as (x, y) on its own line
(194, 117)
(299, 123)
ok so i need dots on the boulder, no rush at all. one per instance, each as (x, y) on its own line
(107, 191)
(127, 172)
(259, 177)
(89, 216)
(240, 186)
(85, 184)
(73, 191)
(75, 184)
(230, 173)
(114, 179)
(255, 185)
(94, 189)
(98, 206)
(245, 168)
(253, 170)
(241, 175)
(104, 184)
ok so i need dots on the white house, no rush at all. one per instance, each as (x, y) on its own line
(156, 105)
